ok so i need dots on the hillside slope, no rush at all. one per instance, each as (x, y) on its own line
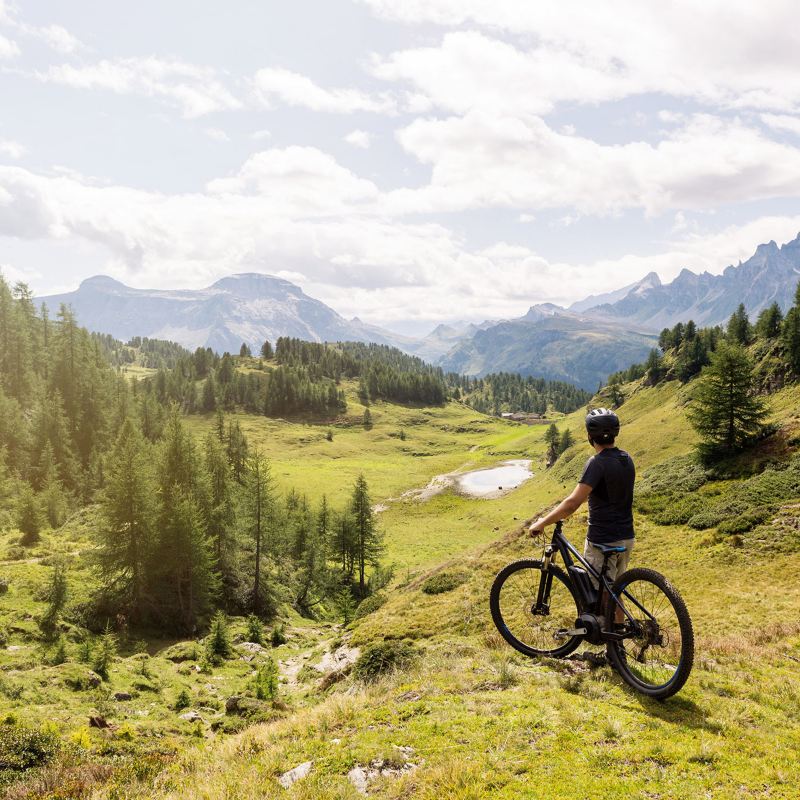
(470, 719)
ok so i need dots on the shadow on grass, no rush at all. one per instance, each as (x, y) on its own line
(678, 710)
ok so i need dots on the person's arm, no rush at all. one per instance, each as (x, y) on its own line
(564, 509)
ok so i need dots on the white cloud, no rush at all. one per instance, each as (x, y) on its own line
(217, 134)
(782, 122)
(54, 36)
(260, 135)
(194, 89)
(301, 181)
(8, 48)
(281, 86)
(12, 149)
(492, 160)
(730, 53)
(358, 138)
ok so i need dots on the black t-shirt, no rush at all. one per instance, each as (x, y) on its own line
(611, 474)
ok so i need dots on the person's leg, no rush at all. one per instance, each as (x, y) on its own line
(617, 564)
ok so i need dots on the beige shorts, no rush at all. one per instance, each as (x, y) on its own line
(617, 562)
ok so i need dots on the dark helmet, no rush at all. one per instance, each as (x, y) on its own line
(602, 425)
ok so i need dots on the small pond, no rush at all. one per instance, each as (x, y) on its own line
(495, 481)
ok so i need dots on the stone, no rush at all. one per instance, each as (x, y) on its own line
(98, 722)
(191, 716)
(295, 774)
(358, 777)
(122, 696)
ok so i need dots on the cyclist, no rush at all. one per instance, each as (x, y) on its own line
(607, 483)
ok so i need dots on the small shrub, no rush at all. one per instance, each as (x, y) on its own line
(57, 653)
(103, 654)
(370, 604)
(345, 605)
(307, 674)
(679, 510)
(22, 747)
(329, 436)
(443, 582)
(265, 682)
(743, 523)
(278, 636)
(255, 630)
(218, 641)
(3, 586)
(183, 700)
(381, 658)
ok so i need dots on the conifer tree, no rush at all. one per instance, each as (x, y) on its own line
(566, 441)
(739, 328)
(29, 516)
(768, 324)
(221, 515)
(368, 539)
(552, 438)
(266, 351)
(127, 530)
(725, 411)
(259, 514)
(209, 402)
(56, 599)
(790, 333)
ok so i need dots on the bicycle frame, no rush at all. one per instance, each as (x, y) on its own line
(560, 544)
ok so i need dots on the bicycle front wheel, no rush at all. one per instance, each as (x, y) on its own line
(512, 601)
(657, 658)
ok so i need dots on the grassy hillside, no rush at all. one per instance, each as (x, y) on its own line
(465, 717)
(470, 719)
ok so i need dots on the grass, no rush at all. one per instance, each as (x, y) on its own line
(466, 717)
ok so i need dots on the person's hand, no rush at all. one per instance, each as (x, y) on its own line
(537, 527)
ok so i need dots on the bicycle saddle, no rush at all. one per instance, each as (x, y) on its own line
(605, 549)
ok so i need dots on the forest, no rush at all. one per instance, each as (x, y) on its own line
(186, 527)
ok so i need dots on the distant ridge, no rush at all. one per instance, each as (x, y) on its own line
(248, 307)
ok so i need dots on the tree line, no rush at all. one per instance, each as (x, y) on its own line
(736, 364)
(509, 391)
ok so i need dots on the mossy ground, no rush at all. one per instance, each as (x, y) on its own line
(482, 721)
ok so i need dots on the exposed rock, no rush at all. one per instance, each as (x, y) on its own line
(98, 722)
(251, 647)
(361, 776)
(122, 696)
(232, 704)
(343, 656)
(295, 774)
(191, 716)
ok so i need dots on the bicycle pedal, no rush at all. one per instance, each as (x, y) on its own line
(568, 633)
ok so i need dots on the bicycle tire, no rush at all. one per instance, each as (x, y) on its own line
(617, 651)
(502, 626)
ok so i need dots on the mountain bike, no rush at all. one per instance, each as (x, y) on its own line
(543, 610)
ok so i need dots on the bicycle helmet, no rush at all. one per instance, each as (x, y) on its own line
(602, 425)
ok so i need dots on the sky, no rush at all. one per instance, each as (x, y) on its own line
(406, 161)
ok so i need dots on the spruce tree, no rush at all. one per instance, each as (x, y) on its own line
(56, 599)
(768, 324)
(127, 529)
(368, 539)
(259, 518)
(725, 411)
(790, 333)
(221, 516)
(566, 441)
(552, 438)
(29, 516)
(739, 328)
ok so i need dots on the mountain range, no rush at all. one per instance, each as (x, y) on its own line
(582, 344)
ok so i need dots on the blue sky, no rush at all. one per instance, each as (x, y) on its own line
(406, 161)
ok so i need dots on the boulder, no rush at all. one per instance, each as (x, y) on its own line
(295, 774)
(123, 696)
(191, 716)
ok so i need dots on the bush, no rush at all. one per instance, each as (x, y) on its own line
(380, 658)
(183, 700)
(265, 683)
(679, 510)
(675, 476)
(255, 630)
(443, 582)
(370, 604)
(743, 523)
(218, 641)
(104, 653)
(278, 636)
(22, 748)
(710, 518)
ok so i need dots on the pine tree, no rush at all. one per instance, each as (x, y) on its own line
(654, 367)
(367, 421)
(368, 538)
(266, 351)
(725, 411)
(259, 514)
(221, 516)
(739, 328)
(566, 441)
(768, 324)
(29, 516)
(790, 333)
(244, 351)
(56, 599)
(209, 402)
(127, 530)
(552, 438)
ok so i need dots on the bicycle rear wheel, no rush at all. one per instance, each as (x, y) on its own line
(512, 601)
(657, 659)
